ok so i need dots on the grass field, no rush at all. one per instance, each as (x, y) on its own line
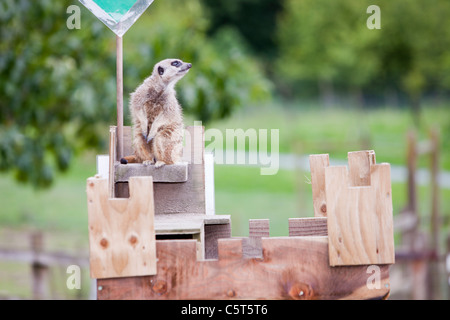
(61, 211)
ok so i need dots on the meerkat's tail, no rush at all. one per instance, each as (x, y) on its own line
(128, 159)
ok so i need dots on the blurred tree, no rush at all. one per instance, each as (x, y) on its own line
(328, 42)
(56, 86)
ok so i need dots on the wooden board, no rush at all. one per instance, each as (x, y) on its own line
(308, 226)
(258, 228)
(121, 231)
(205, 229)
(177, 172)
(318, 163)
(360, 226)
(290, 268)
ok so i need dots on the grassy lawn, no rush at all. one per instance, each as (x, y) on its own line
(61, 211)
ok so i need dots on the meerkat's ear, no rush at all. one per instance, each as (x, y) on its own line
(160, 71)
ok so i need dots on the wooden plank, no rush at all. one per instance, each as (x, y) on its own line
(359, 168)
(308, 227)
(121, 231)
(381, 183)
(291, 268)
(318, 163)
(206, 229)
(119, 97)
(258, 227)
(360, 224)
(177, 172)
(214, 232)
(127, 141)
(112, 157)
(210, 201)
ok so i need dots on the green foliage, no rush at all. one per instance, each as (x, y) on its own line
(328, 41)
(54, 88)
(57, 92)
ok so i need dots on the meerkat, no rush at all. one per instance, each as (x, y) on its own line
(157, 116)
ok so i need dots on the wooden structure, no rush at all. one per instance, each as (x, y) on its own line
(344, 251)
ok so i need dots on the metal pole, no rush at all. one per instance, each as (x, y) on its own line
(119, 63)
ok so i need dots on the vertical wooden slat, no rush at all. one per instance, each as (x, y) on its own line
(112, 157)
(359, 168)
(39, 270)
(119, 76)
(435, 279)
(318, 163)
(258, 228)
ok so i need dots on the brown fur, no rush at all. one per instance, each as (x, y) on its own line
(157, 116)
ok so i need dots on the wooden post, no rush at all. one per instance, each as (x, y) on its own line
(318, 163)
(411, 161)
(435, 270)
(447, 266)
(39, 269)
(119, 75)
(112, 160)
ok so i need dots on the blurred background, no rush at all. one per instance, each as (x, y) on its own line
(310, 68)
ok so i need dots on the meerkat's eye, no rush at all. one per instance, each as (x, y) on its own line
(160, 71)
(176, 63)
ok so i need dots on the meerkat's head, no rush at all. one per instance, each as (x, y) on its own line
(169, 71)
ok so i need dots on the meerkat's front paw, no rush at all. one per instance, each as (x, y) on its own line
(159, 164)
(147, 162)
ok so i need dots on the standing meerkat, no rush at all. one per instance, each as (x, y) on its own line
(157, 116)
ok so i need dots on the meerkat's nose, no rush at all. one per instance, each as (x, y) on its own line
(189, 65)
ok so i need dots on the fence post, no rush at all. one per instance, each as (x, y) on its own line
(435, 264)
(39, 269)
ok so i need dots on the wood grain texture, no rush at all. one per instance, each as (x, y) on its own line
(290, 268)
(360, 226)
(214, 232)
(308, 227)
(112, 157)
(258, 228)
(121, 231)
(318, 163)
(177, 172)
(359, 163)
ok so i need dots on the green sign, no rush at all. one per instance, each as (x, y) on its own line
(118, 15)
